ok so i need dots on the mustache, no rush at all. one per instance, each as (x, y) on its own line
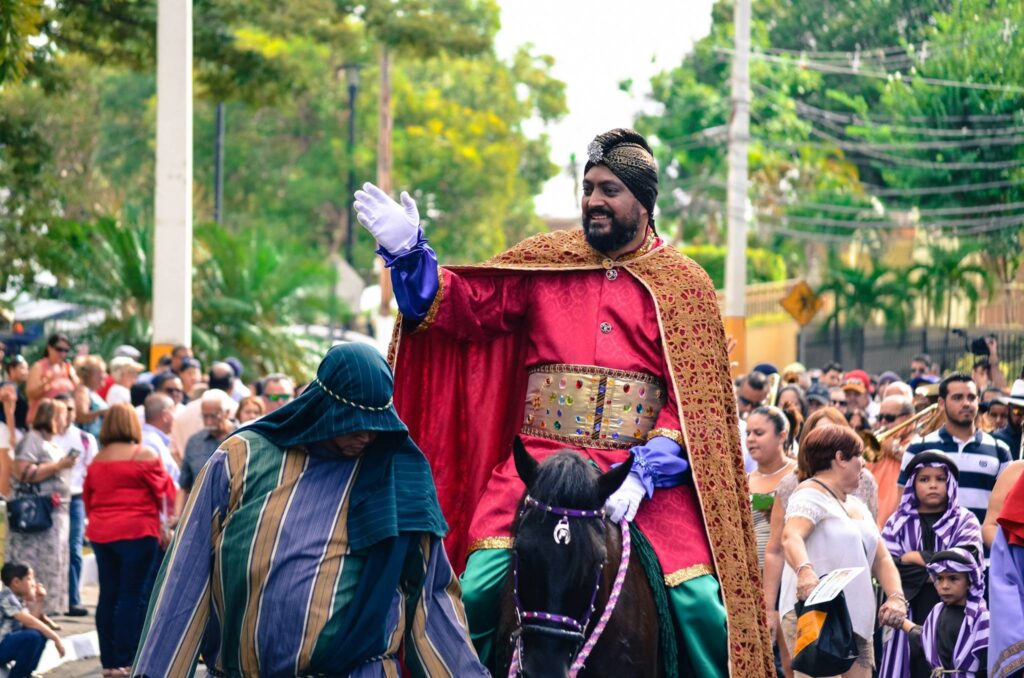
(599, 211)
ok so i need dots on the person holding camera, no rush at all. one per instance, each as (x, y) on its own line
(986, 371)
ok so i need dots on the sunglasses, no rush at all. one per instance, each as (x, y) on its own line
(889, 418)
(173, 391)
(62, 349)
(278, 397)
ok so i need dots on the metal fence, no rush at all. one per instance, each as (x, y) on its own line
(892, 352)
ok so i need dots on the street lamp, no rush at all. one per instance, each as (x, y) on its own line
(352, 77)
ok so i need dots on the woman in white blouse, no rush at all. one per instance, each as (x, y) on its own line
(826, 529)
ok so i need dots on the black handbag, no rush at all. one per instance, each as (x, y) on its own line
(29, 511)
(825, 643)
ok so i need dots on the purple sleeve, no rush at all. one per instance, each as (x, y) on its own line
(414, 278)
(660, 462)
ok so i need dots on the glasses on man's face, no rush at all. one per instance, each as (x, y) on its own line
(62, 349)
(173, 392)
(917, 370)
(889, 418)
(279, 397)
(837, 403)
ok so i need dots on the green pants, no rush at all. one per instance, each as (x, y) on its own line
(697, 611)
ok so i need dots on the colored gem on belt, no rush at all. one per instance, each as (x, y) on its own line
(579, 419)
(600, 389)
(606, 328)
(558, 413)
(639, 409)
(637, 420)
(637, 434)
(552, 397)
(561, 400)
(607, 263)
(579, 431)
(568, 400)
(529, 419)
(625, 389)
(579, 383)
(612, 274)
(558, 425)
(543, 424)
(562, 382)
(547, 381)
(642, 391)
(597, 427)
(615, 435)
(627, 407)
(650, 411)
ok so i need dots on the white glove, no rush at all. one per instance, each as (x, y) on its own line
(625, 501)
(395, 227)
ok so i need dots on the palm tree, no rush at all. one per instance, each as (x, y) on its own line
(248, 292)
(948, 277)
(862, 293)
(249, 295)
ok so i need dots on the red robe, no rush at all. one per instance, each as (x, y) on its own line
(460, 384)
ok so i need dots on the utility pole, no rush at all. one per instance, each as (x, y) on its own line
(383, 323)
(352, 76)
(218, 167)
(736, 201)
(172, 242)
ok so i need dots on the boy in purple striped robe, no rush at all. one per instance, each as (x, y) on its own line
(954, 637)
(928, 519)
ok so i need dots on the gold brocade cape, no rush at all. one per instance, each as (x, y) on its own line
(693, 338)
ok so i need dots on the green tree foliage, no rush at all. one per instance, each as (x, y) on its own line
(77, 143)
(861, 294)
(762, 265)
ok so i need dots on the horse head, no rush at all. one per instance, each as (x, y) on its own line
(560, 553)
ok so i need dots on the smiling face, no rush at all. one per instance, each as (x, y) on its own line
(930, 486)
(612, 216)
(952, 587)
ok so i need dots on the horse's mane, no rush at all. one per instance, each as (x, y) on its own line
(566, 479)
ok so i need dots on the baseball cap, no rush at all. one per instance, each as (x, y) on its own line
(819, 393)
(127, 351)
(857, 381)
(765, 368)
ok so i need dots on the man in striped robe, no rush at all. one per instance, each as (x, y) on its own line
(311, 545)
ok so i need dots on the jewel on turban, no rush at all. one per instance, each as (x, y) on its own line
(629, 157)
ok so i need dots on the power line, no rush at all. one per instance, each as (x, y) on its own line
(855, 119)
(1011, 220)
(922, 164)
(803, 109)
(880, 75)
(934, 212)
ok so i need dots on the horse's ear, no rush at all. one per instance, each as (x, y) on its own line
(526, 465)
(610, 481)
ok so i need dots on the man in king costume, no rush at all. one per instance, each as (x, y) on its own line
(605, 341)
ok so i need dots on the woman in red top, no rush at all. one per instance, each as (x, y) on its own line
(125, 490)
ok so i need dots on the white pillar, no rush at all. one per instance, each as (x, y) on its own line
(172, 247)
(736, 201)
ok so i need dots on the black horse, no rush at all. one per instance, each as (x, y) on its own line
(566, 566)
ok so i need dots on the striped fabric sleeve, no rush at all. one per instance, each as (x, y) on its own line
(437, 643)
(178, 624)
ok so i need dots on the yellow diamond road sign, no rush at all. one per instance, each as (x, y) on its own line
(802, 303)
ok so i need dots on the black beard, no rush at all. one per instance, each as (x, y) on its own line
(621, 233)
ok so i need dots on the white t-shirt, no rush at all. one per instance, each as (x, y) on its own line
(73, 440)
(5, 438)
(118, 394)
(833, 544)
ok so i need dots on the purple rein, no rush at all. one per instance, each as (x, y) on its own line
(571, 628)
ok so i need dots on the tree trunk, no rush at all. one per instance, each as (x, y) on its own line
(945, 336)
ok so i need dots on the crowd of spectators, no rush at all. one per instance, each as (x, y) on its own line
(117, 448)
(868, 475)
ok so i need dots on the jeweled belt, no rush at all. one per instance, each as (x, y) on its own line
(592, 406)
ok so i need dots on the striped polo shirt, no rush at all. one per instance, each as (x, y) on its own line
(980, 460)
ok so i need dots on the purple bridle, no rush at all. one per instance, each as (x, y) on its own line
(568, 627)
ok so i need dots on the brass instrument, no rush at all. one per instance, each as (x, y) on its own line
(924, 422)
(775, 382)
